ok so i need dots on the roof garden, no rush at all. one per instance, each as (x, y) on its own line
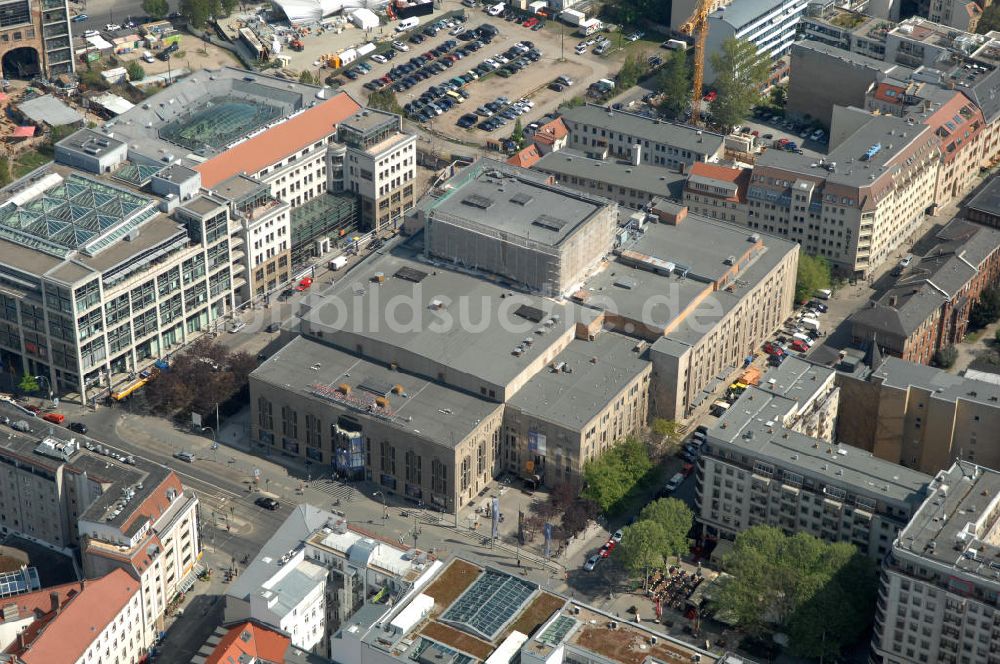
(219, 121)
(74, 214)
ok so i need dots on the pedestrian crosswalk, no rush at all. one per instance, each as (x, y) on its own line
(337, 490)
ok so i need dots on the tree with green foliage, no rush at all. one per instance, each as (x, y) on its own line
(986, 309)
(227, 6)
(517, 135)
(198, 12)
(996, 335)
(642, 548)
(822, 594)
(665, 428)
(779, 96)
(633, 12)
(675, 85)
(385, 100)
(135, 71)
(675, 518)
(155, 8)
(5, 176)
(740, 73)
(28, 384)
(610, 477)
(945, 357)
(813, 274)
(306, 77)
(630, 72)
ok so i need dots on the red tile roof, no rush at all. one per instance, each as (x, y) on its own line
(551, 132)
(248, 638)
(276, 143)
(64, 636)
(889, 93)
(525, 158)
(738, 176)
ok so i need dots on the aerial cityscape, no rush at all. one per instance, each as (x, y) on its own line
(499, 332)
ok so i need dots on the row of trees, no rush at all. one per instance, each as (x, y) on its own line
(822, 595)
(206, 375)
(199, 12)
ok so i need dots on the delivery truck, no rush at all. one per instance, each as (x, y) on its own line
(338, 262)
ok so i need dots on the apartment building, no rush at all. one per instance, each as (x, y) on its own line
(35, 38)
(928, 307)
(261, 236)
(770, 25)
(757, 470)
(315, 573)
(604, 133)
(717, 192)
(248, 641)
(937, 599)
(379, 164)
(918, 416)
(859, 203)
(626, 183)
(148, 529)
(959, 14)
(98, 620)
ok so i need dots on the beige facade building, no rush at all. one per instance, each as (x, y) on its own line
(937, 599)
(919, 416)
(858, 204)
(379, 163)
(761, 467)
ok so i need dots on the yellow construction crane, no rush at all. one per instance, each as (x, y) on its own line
(698, 23)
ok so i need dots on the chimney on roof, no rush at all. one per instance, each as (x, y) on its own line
(54, 602)
(892, 300)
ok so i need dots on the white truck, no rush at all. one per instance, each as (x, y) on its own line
(810, 324)
(496, 9)
(572, 17)
(338, 262)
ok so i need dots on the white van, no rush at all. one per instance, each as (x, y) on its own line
(338, 262)
(147, 56)
(804, 338)
(407, 23)
(496, 9)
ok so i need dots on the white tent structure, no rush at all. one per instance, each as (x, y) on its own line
(306, 11)
(364, 18)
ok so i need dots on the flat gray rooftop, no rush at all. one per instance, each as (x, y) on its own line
(752, 424)
(655, 180)
(964, 495)
(50, 110)
(87, 138)
(573, 399)
(946, 386)
(473, 332)
(700, 244)
(506, 199)
(893, 136)
(637, 126)
(427, 409)
(987, 200)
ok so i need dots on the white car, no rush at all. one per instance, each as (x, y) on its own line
(111, 27)
(581, 49)
(617, 537)
(591, 563)
(379, 58)
(400, 46)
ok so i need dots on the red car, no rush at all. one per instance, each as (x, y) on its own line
(799, 345)
(687, 469)
(304, 284)
(773, 349)
(608, 547)
(531, 22)
(711, 96)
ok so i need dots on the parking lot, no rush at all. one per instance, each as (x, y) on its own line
(772, 129)
(530, 81)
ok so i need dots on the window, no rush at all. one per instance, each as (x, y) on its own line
(413, 463)
(481, 459)
(466, 472)
(388, 458)
(439, 477)
(289, 422)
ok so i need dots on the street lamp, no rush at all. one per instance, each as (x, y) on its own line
(385, 507)
(48, 385)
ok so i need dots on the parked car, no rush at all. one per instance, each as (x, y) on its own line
(184, 456)
(304, 284)
(617, 536)
(78, 427)
(673, 483)
(608, 547)
(799, 346)
(591, 563)
(80, 18)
